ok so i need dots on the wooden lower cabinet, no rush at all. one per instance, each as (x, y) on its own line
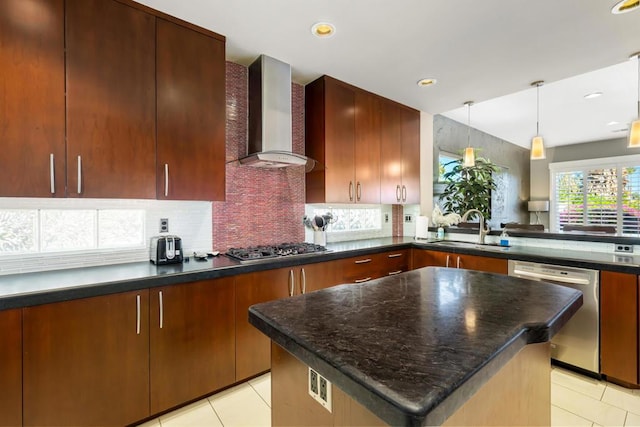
(253, 351)
(192, 341)
(11, 368)
(619, 326)
(364, 268)
(427, 258)
(86, 361)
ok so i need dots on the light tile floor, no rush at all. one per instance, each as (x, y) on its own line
(576, 400)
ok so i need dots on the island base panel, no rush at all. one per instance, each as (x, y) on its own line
(291, 404)
(519, 394)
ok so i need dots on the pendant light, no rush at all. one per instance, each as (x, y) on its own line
(634, 129)
(537, 143)
(469, 158)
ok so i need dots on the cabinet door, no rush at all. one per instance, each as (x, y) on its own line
(340, 144)
(426, 258)
(367, 148)
(619, 326)
(11, 368)
(86, 361)
(410, 156)
(32, 98)
(391, 154)
(191, 114)
(318, 276)
(253, 348)
(110, 100)
(480, 263)
(192, 343)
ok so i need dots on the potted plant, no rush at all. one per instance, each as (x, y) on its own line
(469, 187)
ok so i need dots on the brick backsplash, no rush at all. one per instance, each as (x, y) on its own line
(262, 206)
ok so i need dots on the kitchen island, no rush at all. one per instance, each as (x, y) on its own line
(417, 349)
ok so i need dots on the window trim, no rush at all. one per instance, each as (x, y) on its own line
(584, 165)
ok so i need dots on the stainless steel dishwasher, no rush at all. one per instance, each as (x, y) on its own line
(578, 342)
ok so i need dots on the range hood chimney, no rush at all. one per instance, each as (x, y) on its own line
(270, 142)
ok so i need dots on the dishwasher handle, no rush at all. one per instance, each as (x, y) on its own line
(550, 278)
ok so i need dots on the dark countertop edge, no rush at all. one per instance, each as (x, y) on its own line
(577, 236)
(125, 285)
(439, 412)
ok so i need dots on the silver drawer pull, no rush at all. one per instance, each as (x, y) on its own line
(303, 281)
(291, 283)
(363, 261)
(161, 303)
(52, 175)
(79, 175)
(366, 279)
(166, 180)
(394, 255)
(393, 273)
(447, 265)
(138, 314)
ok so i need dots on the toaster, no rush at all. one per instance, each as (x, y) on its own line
(165, 250)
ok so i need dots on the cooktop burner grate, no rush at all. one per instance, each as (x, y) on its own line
(253, 253)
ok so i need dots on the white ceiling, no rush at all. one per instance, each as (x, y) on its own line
(477, 50)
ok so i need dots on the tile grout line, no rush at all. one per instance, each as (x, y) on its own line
(215, 412)
(259, 395)
(571, 412)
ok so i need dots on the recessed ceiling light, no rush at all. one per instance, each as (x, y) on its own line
(625, 6)
(613, 123)
(426, 82)
(593, 94)
(325, 29)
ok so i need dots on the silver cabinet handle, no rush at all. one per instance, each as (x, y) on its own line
(458, 263)
(351, 191)
(366, 279)
(447, 265)
(404, 193)
(394, 255)
(161, 304)
(303, 281)
(398, 192)
(358, 191)
(138, 314)
(362, 261)
(52, 175)
(291, 284)
(79, 174)
(393, 273)
(166, 180)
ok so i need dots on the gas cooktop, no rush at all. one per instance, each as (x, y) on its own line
(255, 253)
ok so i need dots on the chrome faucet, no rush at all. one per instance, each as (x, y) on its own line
(483, 231)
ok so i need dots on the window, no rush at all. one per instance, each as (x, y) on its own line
(353, 219)
(60, 230)
(597, 192)
(445, 165)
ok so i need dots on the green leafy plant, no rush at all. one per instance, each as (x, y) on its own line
(469, 188)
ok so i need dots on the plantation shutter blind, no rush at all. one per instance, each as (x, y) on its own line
(569, 198)
(602, 197)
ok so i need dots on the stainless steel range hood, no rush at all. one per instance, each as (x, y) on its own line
(270, 140)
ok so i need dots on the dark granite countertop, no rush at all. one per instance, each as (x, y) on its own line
(413, 348)
(28, 289)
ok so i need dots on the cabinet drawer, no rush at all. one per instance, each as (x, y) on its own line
(395, 262)
(363, 268)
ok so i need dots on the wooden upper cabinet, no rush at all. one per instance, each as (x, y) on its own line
(110, 100)
(400, 154)
(86, 361)
(619, 326)
(410, 156)
(330, 139)
(391, 154)
(367, 148)
(191, 114)
(32, 98)
(11, 367)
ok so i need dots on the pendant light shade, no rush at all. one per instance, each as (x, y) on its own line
(537, 143)
(634, 129)
(469, 157)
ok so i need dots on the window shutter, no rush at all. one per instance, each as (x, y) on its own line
(569, 199)
(602, 197)
(630, 200)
